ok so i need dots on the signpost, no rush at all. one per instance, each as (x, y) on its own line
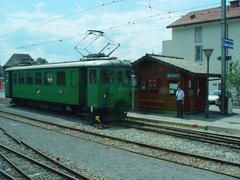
(228, 58)
(228, 43)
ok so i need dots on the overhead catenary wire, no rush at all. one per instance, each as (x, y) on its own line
(71, 37)
(170, 6)
(133, 22)
(62, 17)
(50, 41)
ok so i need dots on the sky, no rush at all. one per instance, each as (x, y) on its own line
(52, 28)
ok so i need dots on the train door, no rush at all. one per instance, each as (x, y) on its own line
(8, 84)
(83, 86)
(92, 91)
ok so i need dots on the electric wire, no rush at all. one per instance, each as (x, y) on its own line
(71, 37)
(62, 17)
(133, 22)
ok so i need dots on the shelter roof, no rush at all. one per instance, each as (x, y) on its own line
(180, 63)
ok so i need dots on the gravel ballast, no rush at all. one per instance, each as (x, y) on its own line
(110, 163)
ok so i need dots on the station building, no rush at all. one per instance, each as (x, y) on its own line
(157, 77)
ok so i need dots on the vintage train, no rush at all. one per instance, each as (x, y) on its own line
(97, 85)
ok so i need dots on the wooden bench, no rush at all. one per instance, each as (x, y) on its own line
(150, 103)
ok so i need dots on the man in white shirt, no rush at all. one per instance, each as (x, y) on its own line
(179, 101)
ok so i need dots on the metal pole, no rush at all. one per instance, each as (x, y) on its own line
(133, 91)
(133, 98)
(223, 57)
(207, 105)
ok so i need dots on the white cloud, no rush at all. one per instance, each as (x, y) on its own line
(138, 39)
(39, 6)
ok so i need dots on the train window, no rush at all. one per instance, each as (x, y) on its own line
(6, 78)
(38, 78)
(21, 78)
(128, 76)
(48, 78)
(93, 76)
(60, 78)
(15, 78)
(120, 76)
(29, 78)
(107, 76)
(74, 78)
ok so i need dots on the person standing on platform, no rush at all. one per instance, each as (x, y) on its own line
(179, 101)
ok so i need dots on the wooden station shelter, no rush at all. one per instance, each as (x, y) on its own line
(157, 78)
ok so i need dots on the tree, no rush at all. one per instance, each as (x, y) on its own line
(41, 61)
(234, 77)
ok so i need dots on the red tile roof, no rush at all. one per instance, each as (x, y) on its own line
(205, 16)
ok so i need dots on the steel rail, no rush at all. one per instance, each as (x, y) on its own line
(10, 135)
(6, 175)
(141, 145)
(42, 154)
(225, 136)
(16, 168)
(38, 163)
(188, 135)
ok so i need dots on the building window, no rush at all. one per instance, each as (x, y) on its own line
(198, 53)
(48, 78)
(172, 88)
(198, 34)
(29, 78)
(21, 78)
(61, 78)
(200, 87)
(38, 78)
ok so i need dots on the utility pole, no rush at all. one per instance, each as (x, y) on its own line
(223, 57)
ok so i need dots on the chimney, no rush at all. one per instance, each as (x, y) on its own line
(234, 4)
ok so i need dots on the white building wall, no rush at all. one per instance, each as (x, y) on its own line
(183, 44)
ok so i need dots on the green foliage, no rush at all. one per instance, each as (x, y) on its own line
(234, 76)
(41, 61)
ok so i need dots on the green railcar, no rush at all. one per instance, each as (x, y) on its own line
(98, 85)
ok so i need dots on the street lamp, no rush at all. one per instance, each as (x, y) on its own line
(208, 53)
(133, 90)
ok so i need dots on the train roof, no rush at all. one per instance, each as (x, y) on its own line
(110, 62)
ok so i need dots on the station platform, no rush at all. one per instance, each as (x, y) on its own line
(217, 122)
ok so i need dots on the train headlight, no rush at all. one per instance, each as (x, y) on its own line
(97, 118)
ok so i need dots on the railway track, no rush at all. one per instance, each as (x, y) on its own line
(19, 160)
(207, 137)
(198, 161)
